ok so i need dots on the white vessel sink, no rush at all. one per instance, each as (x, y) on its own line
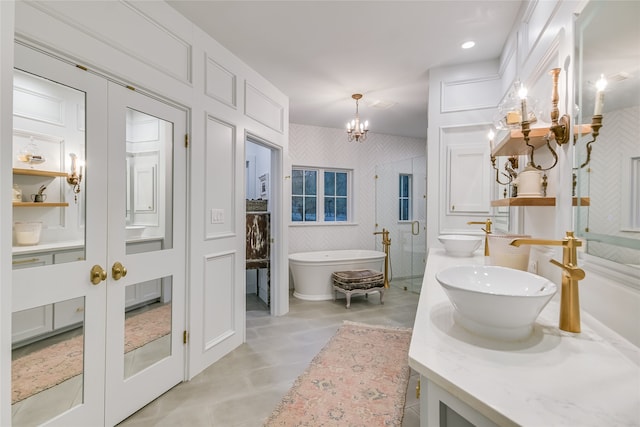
(460, 245)
(496, 302)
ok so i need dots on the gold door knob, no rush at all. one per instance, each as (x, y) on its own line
(118, 271)
(97, 275)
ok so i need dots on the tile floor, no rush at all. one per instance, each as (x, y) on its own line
(242, 388)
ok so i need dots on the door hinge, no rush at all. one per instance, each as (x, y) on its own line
(418, 390)
(186, 140)
(185, 337)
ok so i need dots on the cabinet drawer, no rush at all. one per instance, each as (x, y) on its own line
(32, 260)
(66, 313)
(68, 256)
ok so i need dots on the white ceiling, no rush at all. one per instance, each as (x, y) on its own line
(321, 52)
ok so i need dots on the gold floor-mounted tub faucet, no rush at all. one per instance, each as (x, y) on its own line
(386, 244)
(571, 274)
(487, 231)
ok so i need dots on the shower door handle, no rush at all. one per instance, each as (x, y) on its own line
(415, 228)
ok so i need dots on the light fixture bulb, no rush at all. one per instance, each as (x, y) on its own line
(468, 45)
(601, 84)
(522, 93)
(491, 135)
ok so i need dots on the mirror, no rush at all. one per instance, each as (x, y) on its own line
(47, 361)
(608, 44)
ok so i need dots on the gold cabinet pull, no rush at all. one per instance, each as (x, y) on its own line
(118, 271)
(98, 274)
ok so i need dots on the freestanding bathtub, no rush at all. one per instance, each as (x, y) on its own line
(311, 271)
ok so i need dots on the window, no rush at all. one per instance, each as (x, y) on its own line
(404, 198)
(304, 195)
(307, 188)
(335, 196)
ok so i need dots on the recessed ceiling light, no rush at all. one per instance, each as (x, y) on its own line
(468, 45)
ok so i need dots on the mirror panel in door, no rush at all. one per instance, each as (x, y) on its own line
(47, 367)
(607, 169)
(147, 325)
(149, 190)
(49, 148)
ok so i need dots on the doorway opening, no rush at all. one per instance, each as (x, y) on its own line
(260, 211)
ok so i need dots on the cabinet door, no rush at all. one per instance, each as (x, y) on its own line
(31, 323)
(469, 185)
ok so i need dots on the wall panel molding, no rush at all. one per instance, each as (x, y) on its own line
(218, 302)
(469, 94)
(263, 108)
(220, 83)
(155, 44)
(219, 179)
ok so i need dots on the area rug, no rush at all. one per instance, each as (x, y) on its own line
(358, 379)
(50, 366)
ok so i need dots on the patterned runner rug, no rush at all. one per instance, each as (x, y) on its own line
(43, 369)
(358, 379)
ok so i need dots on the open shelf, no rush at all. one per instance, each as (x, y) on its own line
(34, 172)
(513, 143)
(40, 205)
(535, 201)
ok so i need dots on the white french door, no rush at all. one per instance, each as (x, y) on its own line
(105, 283)
(146, 191)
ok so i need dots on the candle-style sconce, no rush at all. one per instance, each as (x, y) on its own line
(75, 177)
(560, 128)
(510, 166)
(596, 124)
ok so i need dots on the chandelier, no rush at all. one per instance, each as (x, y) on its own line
(355, 129)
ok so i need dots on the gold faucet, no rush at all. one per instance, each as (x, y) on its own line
(571, 274)
(386, 244)
(487, 231)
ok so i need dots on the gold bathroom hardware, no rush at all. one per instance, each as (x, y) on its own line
(487, 231)
(74, 178)
(386, 244)
(98, 274)
(25, 261)
(118, 271)
(560, 129)
(571, 274)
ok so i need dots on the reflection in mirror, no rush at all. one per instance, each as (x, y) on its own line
(47, 361)
(48, 172)
(147, 334)
(149, 192)
(608, 44)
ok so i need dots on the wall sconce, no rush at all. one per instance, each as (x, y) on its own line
(509, 166)
(560, 129)
(596, 124)
(75, 177)
(596, 120)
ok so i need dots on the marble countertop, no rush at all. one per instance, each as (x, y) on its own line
(554, 378)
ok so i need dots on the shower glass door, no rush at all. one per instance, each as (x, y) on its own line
(401, 209)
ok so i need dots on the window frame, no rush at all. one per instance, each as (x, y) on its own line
(408, 197)
(320, 196)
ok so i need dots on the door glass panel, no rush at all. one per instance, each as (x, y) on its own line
(149, 183)
(48, 171)
(47, 367)
(147, 334)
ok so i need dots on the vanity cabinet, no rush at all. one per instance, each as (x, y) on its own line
(439, 408)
